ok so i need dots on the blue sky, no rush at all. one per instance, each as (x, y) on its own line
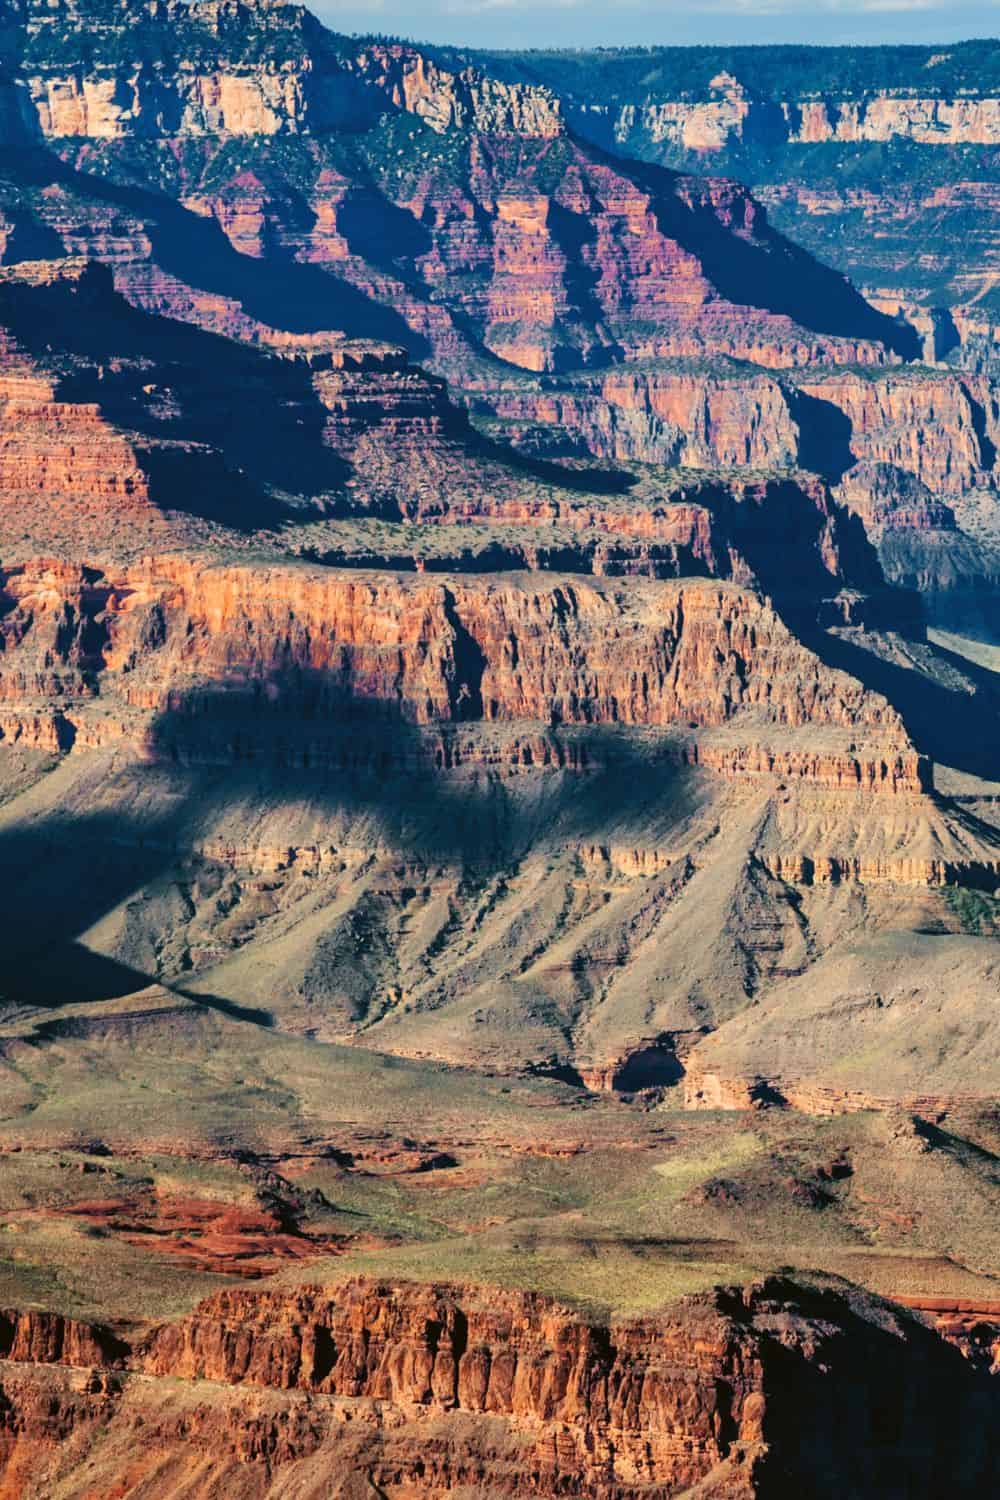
(587, 23)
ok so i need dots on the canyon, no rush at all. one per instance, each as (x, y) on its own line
(499, 727)
(880, 160)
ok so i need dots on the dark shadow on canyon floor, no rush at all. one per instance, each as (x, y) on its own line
(902, 1417)
(61, 878)
(955, 728)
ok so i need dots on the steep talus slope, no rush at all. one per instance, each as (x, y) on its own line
(849, 1038)
(530, 822)
(494, 691)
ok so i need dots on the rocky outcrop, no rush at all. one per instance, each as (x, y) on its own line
(251, 68)
(118, 418)
(561, 652)
(890, 499)
(738, 1392)
(468, 100)
(573, 1392)
(56, 446)
(378, 393)
(37, 1337)
(704, 1089)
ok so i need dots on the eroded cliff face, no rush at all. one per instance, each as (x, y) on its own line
(735, 115)
(213, 68)
(527, 247)
(937, 426)
(896, 447)
(468, 99)
(695, 418)
(126, 423)
(418, 1389)
(478, 222)
(176, 633)
(942, 429)
(879, 160)
(217, 68)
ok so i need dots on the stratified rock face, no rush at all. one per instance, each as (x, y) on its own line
(235, 68)
(468, 212)
(938, 426)
(943, 430)
(733, 115)
(174, 633)
(429, 1388)
(530, 249)
(212, 68)
(693, 417)
(610, 264)
(627, 1406)
(765, 99)
(469, 99)
(894, 444)
(879, 160)
(110, 419)
(888, 498)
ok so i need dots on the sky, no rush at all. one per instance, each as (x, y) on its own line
(612, 23)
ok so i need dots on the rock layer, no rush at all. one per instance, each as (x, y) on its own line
(737, 1392)
(177, 635)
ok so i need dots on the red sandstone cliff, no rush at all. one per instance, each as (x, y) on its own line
(174, 634)
(427, 1388)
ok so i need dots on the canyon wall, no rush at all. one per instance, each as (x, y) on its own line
(940, 427)
(484, 229)
(426, 1388)
(228, 68)
(879, 160)
(560, 652)
(212, 68)
(469, 99)
(733, 115)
